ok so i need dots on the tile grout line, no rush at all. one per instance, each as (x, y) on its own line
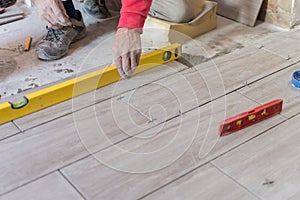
(188, 171)
(163, 122)
(272, 73)
(105, 99)
(246, 96)
(61, 172)
(234, 180)
(40, 177)
(72, 185)
(205, 103)
(175, 117)
(270, 36)
(10, 136)
(43, 175)
(148, 117)
(179, 71)
(274, 53)
(17, 126)
(212, 159)
(246, 141)
(241, 87)
(27, 183)
(174, 180)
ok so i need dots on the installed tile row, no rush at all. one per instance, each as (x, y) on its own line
(68, 139)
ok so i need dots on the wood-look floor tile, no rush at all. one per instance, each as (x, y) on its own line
(191, 88)
(204, 183)
(283, 44)
(53, 145)
(50, 187)
(268, 165)
(141, 164)
(91, 98)
(277, 86)
(7, 130)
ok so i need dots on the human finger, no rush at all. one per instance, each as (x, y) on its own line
(118, 63)
(126, 64)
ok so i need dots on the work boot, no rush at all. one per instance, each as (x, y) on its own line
(7, 3)
(57, 41)
(96, 8)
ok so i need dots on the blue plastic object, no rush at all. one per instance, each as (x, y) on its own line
(296, 79)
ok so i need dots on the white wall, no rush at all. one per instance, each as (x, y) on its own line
(296, 12)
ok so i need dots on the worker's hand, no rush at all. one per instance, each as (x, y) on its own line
(52, 13)
(127, 51)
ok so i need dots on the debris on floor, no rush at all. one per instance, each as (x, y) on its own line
(28, 43)
(268, 182)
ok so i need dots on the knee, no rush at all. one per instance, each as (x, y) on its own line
(178, 11)
(182, 12)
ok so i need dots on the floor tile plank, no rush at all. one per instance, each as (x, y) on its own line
(91, 98)
(112, 121)
(55, 144)
(243, 11)
(7, 130)
(228, 37)
(218, 77)
(277, 86)
(268, 165)
(283, 44)
(159, 155)
(166, 98)
(50, 187)
(245, 66)
(204, 183)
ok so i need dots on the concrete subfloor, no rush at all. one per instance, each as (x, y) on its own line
(21, 71)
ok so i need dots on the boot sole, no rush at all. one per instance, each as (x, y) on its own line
(43, 56)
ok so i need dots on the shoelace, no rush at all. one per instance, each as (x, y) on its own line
(53, 34)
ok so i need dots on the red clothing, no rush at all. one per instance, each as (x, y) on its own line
(134, 13)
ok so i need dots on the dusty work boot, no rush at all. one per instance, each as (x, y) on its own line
(7, 3)
(96, 8)
(57, 41)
